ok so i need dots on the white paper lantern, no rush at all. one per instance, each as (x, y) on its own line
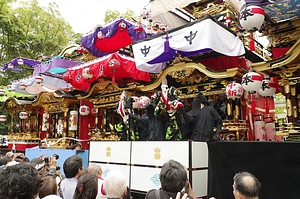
(38, 79)
(2, 118)
(9, 87)
(234, 90)
(20, 61)
(84, 110)
(252, 17)
(73, 120)
(45, 121)
(22, 86)
(268, 88)
(251, 81)
(2, 92)
(23, 115)
(86, 73)
(10, 66)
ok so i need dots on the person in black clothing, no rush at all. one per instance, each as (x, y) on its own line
(206, 118)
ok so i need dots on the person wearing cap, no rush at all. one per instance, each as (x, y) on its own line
(206, 118)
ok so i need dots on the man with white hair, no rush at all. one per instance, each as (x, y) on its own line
(115, 185)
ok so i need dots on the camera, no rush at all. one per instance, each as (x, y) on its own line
(47, 159)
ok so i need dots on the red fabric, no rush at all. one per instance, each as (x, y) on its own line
(222, 62)
(85, 122)
(278, 52)
(101, 69)
(115, 43)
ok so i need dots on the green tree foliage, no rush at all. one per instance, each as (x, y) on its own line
(28, 31)
(112, 15)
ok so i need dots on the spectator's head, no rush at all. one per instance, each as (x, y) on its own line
(4, 160)
(73, 166)
(115, 185)
(43, 145)
(20, 181)
(10, 155)
(245, 186)
(173, 176)
(77, 146)
(48, 186)
(95, 169)
(87, 187)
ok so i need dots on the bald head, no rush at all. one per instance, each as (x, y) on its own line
(247, 185)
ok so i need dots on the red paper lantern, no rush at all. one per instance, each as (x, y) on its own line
(66, 76)
(114, 65)
(84, 110)
(234, 90)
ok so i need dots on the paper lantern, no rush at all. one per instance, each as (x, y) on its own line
(10, 66)
(22, 86)
(38, 79)
(86, 73)
(2, 118)
(66, 76)
(252, 17)
(267, 90)
(23, 115)
(45, 121)
(20, 61)
(84, 110)
(251, 82)
(73, 120)
(114, 65)
(9, 87)
(234, 90)
(2, 92)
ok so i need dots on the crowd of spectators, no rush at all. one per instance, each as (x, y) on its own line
(21, 178)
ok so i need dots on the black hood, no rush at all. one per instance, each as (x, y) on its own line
(199, 99)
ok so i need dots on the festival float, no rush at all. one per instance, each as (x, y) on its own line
(128, 66)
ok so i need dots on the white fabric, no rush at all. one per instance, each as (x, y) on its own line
(100, 184)
(68, 186)
(49, 84)
(208, 35)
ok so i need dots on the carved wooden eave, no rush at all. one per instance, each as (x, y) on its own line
(289, 60)
(52, 103)
(184, 69)
(16, 105)
(105, 87)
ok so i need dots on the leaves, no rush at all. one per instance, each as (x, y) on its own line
(29, 31)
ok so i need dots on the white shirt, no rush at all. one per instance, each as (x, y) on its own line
(68, 186)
